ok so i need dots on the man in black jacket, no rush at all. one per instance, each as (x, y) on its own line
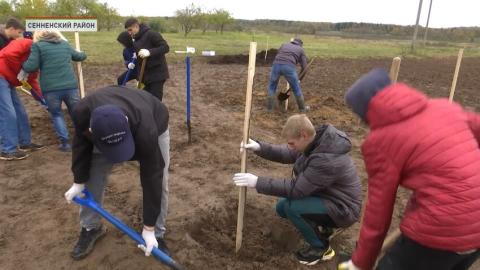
(151, 47)
(112, 125)
(324, 189)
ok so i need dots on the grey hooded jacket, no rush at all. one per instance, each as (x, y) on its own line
(291, 53)
(324, 170)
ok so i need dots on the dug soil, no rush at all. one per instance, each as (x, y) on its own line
(38, 229)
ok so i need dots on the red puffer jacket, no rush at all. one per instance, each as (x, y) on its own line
(11, 60)
(431, 147)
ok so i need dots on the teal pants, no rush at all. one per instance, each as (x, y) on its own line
(296, 210)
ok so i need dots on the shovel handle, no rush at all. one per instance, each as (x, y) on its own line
(300, 78)
(88, 201)
(142, 72)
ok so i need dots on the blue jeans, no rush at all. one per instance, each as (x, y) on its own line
(14, 125)
(54, 102)
(296, 210)
(290, 73)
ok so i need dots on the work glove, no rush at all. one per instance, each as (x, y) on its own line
(347, 266)
(150, 241)
(245, 180)
(75, 190)
(131, 66)
(253, 145)
(144, 53)
(22, 75)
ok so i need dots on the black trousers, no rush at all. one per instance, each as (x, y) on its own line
(407, 254)
(155, 88)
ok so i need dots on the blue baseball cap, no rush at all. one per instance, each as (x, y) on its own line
(111, 133)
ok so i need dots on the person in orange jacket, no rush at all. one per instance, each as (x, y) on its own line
(15, 129)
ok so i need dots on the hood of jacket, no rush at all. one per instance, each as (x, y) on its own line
(143, 29)
(329, 140)
(125, 39)
(396, 103)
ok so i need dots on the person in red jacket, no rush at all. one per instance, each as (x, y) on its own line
(431, 147)
(15, 130)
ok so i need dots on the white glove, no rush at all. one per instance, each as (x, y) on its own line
(144, 53)
(347, 266)
(253, 145)
(245, 180)
(75, 190)
(134, 55)
(150, 241)
(22, 75)
(131, 65)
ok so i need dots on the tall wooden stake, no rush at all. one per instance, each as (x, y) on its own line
(246, 129)
(79, 67)
(455, 75)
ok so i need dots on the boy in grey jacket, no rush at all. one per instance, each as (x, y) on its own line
(324, 192)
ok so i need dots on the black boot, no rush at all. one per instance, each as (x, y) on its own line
(86, 242)
(301, 104)
(312, 255)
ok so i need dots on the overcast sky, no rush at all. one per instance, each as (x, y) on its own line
(445, 13)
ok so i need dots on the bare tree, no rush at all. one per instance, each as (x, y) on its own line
(188, 18)
(221, 18)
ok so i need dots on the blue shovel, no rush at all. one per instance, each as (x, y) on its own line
(88, 201)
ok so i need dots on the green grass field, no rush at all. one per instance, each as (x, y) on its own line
(102, 47)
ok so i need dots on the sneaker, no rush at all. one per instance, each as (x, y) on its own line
(65, 147)
(31, 147)
(330, 233)
(312, 255)
(86, 242)
(163, 246)
(18, 155)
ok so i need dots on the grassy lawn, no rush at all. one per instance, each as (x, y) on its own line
(102, 47)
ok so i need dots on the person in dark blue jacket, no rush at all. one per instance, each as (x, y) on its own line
(129, 58)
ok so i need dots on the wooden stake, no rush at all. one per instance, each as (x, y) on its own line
(79, 67)
(394, 69)
(266, 51)
(246, 129)
(455, 75)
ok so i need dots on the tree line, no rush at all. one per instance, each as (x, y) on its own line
(352, 29)
(107, 16)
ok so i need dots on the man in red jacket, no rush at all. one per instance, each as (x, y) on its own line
(15, 130)
(431, 147)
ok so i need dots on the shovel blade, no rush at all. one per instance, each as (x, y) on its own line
(283, 96)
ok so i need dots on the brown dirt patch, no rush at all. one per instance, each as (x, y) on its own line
(38, 229)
